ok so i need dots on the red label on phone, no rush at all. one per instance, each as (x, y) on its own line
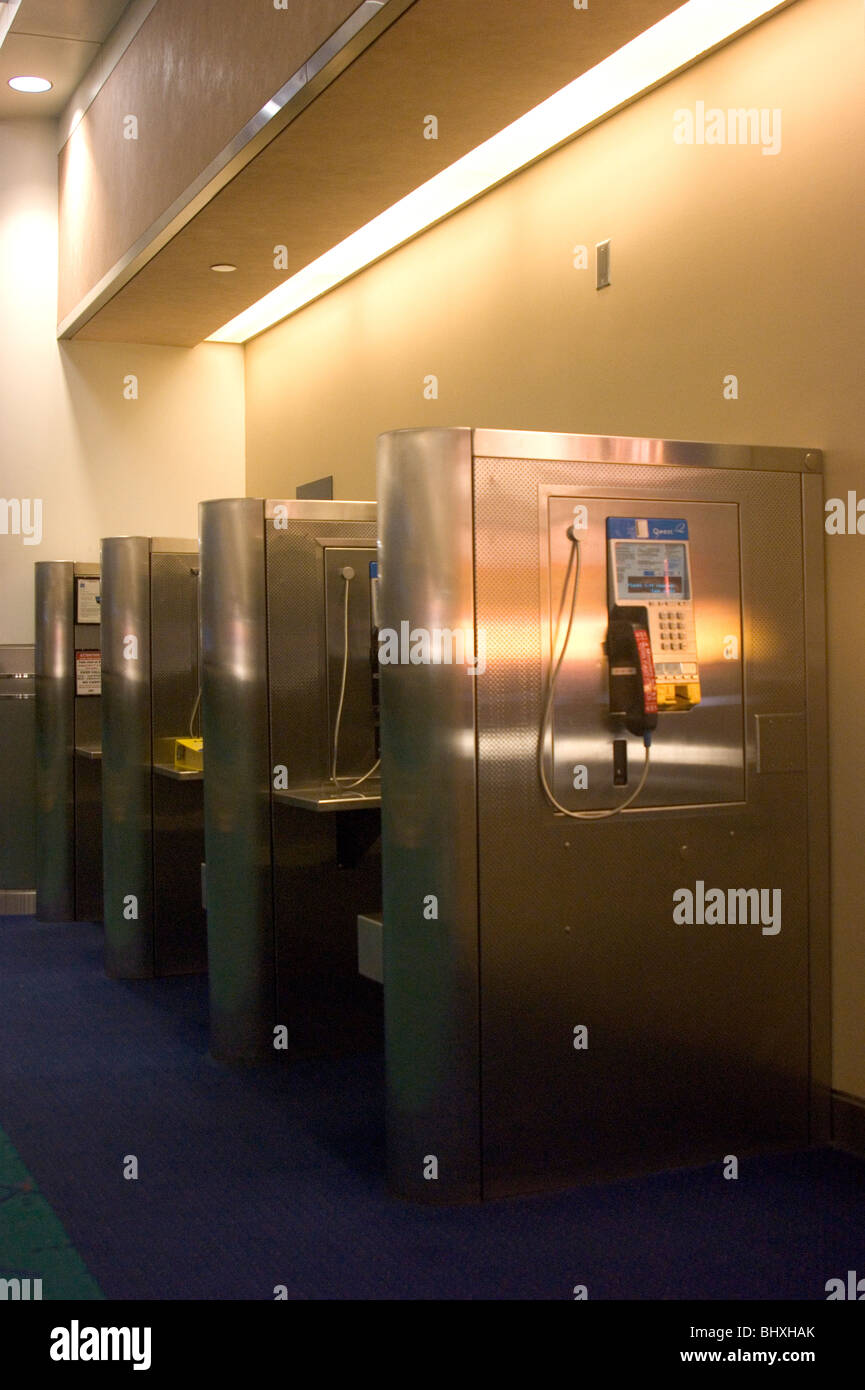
(647, 670)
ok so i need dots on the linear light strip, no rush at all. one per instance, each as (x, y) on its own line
(668, 46)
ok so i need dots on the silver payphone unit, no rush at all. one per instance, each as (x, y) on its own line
(579, 843)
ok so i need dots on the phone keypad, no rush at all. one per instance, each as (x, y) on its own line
(674, 629)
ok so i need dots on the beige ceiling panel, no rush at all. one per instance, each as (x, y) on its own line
(87, 20)
(359, 147)
(26, 55)
(193, 76)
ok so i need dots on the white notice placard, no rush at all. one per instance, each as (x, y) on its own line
(88, 600)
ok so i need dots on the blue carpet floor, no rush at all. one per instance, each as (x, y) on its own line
(252, 1179)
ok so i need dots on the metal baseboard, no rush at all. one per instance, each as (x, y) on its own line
(17, 903)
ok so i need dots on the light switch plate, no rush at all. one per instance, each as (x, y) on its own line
(602, 262)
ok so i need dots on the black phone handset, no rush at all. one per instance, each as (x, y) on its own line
(633, 688)
(634, 667)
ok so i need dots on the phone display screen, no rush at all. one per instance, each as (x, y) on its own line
(651, 569)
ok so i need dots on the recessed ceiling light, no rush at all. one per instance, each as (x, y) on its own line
(223, 267)
(30, 84)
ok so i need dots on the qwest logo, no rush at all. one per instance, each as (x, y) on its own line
(77, 1343)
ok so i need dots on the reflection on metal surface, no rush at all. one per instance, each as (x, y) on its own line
(68, 835)
(429, 820)
(544, 923)
(285, 882)
(324, 797)
(127, 824)
(153, 831)
(236, 802)
(178, 774)
(675, 453)
(18, 779)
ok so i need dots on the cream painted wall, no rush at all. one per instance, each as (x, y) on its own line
(724, 260)
(101, 464)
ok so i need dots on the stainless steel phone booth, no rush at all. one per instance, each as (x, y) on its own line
(291, 795)
(68, 741)
(152, 756)
(605, 818)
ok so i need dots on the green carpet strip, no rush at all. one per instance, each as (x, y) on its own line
(36, 1257)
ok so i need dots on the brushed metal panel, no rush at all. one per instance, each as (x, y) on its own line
(15, 903)
(17, 661)
(305, 627)
(88, 835)
(174, 604)
(55, 738)
(820, 959)
(179, 924)
(698, 1037)
(429, 821)
(308, 509)
(237, 781)
(356, 744)
(17, 772)
(702, 1040)
(126, 758)
(179, 921)
(88, 775)
(595, 448)
(697, 757)
(369, 946)
(326, 869)
(173, 545)
(320, 488)
(782, 743)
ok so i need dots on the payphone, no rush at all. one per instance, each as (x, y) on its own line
(650, 642)
(650, 591)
